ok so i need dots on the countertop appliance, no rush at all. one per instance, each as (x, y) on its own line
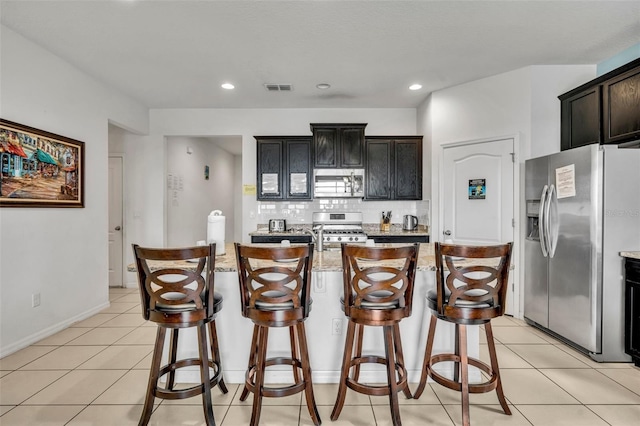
(582, 209)
(277, 225)
(409, 222)
(338, 183)
(340, 227)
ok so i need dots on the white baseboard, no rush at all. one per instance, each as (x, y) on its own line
(51, 330)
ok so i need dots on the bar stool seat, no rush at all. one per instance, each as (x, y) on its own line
(276, 294)
(471, 294)
(176, 298)
(380, 294)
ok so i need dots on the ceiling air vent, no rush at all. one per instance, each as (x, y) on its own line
(278, 87)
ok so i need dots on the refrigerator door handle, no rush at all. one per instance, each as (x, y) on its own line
(551, 219)
(541, 222)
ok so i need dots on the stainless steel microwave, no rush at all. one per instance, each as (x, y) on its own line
(338, 183)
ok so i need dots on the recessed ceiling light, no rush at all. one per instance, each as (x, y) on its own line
(323, 86)
(415, 87)
(228, 86)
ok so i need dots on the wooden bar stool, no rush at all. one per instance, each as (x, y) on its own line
(275, 292)
(175, 297)
(470, 295)
(378, 291)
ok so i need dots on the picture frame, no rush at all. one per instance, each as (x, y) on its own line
(39, 169)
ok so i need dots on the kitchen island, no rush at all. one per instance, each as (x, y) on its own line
(325, 325)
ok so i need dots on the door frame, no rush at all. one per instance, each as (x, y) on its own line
(516, 259)
(121, 156)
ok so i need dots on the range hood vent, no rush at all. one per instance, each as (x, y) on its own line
(278, 87)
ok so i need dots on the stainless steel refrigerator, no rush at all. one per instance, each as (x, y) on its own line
(582, 209)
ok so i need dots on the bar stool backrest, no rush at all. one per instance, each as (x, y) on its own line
(274, 278)
(480, 285)
(378, 278)
(170, 291)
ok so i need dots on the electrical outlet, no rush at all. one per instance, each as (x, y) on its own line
(35, 300)
(318, 284)
(336, 326)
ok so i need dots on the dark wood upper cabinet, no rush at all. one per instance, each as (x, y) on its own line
(378, 178)
(284, 169)
(605, 110)
(621, 104)
(580, 117)
(393, 168)
(270, 165)
(338, 145)
(408, 168)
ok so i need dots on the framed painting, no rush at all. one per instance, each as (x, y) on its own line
(39, 169)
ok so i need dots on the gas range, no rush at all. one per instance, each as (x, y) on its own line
(340, 227)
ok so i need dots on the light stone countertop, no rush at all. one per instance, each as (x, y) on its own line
(370, 229)
(631, 254)
(326, 261)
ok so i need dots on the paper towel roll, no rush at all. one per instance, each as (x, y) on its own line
(215, 230)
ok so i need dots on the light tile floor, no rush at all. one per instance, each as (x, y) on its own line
(95, 373)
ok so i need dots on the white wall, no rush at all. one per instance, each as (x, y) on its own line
(522, 103)
(144, 191)
(60, 253)
(188, 207)
(262, 122)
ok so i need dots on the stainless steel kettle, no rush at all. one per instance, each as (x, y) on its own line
(409, 222)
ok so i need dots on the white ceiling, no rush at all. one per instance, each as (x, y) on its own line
(175, 54)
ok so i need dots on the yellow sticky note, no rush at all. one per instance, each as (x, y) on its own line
(248, 190)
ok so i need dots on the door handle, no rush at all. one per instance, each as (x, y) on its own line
(541, 221)
(118, 228)
(447, 232)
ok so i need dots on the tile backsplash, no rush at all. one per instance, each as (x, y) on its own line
(298, 212)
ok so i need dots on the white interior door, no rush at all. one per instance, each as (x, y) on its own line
(115, 222)
(478, 196)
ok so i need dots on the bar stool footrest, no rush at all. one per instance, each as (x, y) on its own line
(191, 391)
(483, 387)
(273, 392)
(376, 390)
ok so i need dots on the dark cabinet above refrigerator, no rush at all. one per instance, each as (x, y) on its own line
(603, 111)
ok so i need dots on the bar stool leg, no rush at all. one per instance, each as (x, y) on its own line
(204, 375)
(263, 333)
(494, 367)
(397, 343)
(173, 350)
(346, 364)
(391, 374)
(358, 350)
(252, 360)
(306, 374)
(464, 373)
(294, 352)
(456, 350)
(153, 377)
(215, 354)
(426, 367)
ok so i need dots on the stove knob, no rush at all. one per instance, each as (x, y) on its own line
(350, 238)
(339, 238)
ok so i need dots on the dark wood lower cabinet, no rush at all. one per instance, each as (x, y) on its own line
(400, 239)
(632, 310)
(278, 238)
